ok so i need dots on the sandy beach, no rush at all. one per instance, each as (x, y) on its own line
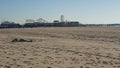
(60, 47)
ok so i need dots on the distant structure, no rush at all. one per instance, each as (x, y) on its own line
(62, 19)
(7, 24)
(56, 21)
(41, 23)
(41, 20)
(30, 21)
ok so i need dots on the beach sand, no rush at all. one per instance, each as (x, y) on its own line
(60, 47)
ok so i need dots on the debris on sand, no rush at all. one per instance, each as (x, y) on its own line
(21, 40)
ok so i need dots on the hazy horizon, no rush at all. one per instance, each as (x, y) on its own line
(84, 11)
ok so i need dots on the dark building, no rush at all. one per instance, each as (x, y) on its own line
(72, 23)
(37, 24)
(7, 24)
(56, 21)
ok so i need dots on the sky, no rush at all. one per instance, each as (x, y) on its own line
(84, 11)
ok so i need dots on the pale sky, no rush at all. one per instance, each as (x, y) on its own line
(84, 11)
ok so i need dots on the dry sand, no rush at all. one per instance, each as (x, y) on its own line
(60, 47)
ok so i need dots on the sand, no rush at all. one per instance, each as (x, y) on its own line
(60, 47)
